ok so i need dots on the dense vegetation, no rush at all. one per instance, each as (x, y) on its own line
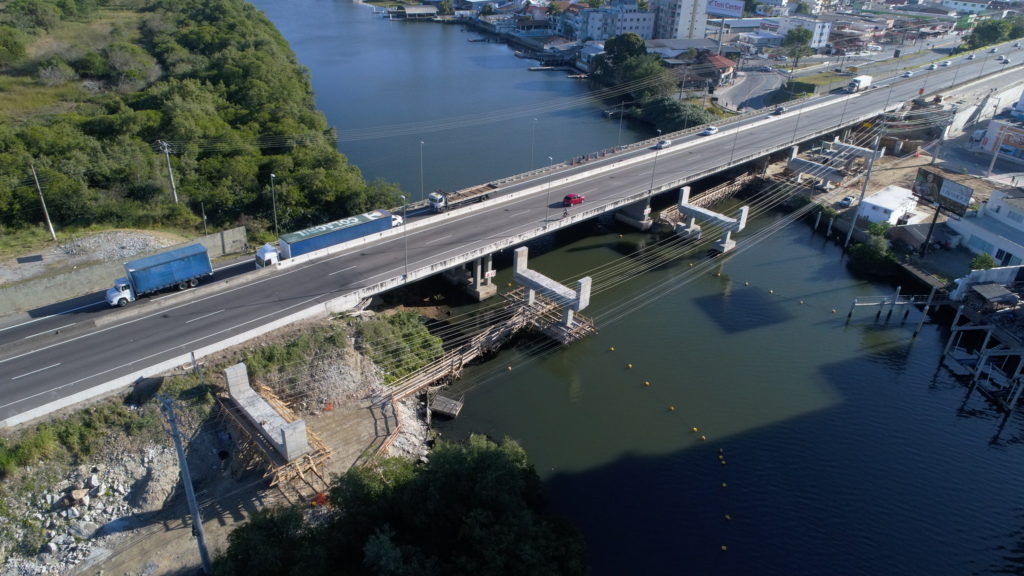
(626, 67)
(474, 508)
(399, 344)
(93, 88)
(988, 32)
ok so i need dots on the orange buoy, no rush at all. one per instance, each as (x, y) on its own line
(833, 310)
(629, 365)
(694, 429)
(509, 368)
(703, 437)
(611, 348)
(647, 382)
(671, 408)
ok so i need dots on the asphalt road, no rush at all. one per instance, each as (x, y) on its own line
(44, 362)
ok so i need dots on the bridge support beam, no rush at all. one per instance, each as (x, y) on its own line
(535, 282)
(690, 229)
(481, 286)
(637, 215)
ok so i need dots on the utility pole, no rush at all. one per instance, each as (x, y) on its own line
(42, 201)
(167, 409)
(166, 149)
(202, 206)
(863, 191)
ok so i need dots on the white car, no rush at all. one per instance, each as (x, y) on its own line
(396, 220)
(972, 56)
(662, 144)
(946, 63)
(908, 74)
(709, 131)
(932, 66)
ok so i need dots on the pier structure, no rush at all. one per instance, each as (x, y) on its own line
(689, 228)
(534, 282)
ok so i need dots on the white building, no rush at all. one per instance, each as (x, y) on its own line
(819, 30)
(891, 204)
(997, 228)
(606, 22)
(963, 7)
(679, 18)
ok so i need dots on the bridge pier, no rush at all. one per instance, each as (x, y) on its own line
(535, 282)
(690, 229)
(481, 286)
(637, 215)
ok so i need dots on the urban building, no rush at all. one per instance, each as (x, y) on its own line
(963, 6)
(679, 18)
(820, 29)
(996, 228)
(892, 204)
(582, 23)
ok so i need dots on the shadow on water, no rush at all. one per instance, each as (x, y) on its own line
(805, 496)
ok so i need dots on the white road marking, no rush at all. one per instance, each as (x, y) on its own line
(35, 371)
(204, 316)
(34, 320)
(340, 271)
(435, 240)
(52, 331)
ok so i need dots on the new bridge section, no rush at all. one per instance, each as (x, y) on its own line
(53, 369)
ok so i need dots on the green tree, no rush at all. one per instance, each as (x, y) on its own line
(446, 7)
(489, 10)
(983, 261)
(989, 32)
(12, 46)
(797, 44)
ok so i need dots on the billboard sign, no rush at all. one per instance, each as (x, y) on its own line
(725, 8)
(933, 188)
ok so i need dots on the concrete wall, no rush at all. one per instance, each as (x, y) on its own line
(86, 280)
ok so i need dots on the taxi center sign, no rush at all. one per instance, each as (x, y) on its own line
(725, 8)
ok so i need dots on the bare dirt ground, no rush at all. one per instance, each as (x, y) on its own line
(83, 250)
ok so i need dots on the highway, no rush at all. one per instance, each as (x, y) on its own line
(48, 359)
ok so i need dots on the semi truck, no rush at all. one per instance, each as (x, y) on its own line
(324, 236)
(441, 200)
(181, 267)
(858, 83)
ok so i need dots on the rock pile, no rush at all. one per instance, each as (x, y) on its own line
(89, 508)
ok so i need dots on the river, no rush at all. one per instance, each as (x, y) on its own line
(821, 447)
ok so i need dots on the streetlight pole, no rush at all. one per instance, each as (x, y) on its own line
(533, 140)
(405, 239)
(618, 140)
(655, 166)
(421, 169)
(547, 194)
(273, 198)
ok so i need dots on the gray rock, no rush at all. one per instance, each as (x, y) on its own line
(73, 513)
(94, 481)
(84, 500)
(84, 530)
(51, 547)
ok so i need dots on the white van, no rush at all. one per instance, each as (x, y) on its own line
(874, 48)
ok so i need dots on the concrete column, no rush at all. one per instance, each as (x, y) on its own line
(480, 286)
(637, 215)
(684, 197)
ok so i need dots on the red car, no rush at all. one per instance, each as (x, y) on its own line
(572, 199)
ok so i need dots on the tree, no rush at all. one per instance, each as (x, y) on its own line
(446, 7)
(473, 508)
(624, 46)
(983, 261)
(12, 46)
(989, 32)
(797, 44)
(487, 10)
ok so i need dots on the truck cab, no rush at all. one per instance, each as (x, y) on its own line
(438, 201)
(121, 293)
(267, 256)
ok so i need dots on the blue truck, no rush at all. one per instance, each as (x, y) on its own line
(181, 267)
(326, 235)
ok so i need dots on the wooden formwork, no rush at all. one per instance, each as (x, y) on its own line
(256, 451)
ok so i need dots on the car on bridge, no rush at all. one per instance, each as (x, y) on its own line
(779, 111)
(993, 50)
(908, 74)
(846, 202)
(396, 220)
(709, 131)
(572, 199)
(946, 63)
(662, 144)
(972, 56)
(932, 66)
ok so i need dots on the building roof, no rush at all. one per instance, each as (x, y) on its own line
(720, 61)
(419, 9)
(892, 197)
